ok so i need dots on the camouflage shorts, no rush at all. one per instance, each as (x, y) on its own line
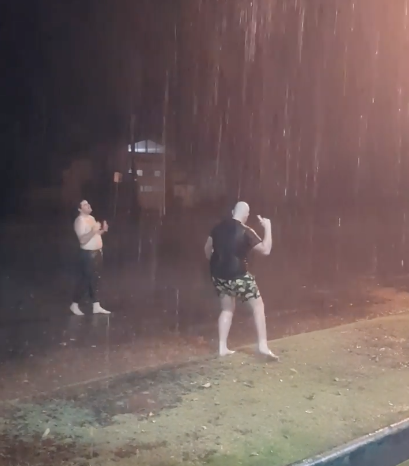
(243, 288)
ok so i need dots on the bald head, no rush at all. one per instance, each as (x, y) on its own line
(241, 211)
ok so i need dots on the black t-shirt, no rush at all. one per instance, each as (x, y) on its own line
(232, 241)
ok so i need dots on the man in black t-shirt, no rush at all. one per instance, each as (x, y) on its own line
(227, 248)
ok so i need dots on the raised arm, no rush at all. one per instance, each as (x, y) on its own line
(265, 246)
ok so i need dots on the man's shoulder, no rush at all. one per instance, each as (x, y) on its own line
(248, 229)
(80, 222)
(79, 218)
(221, 225)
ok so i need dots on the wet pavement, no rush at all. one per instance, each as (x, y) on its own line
(164, 308)
(71, 350)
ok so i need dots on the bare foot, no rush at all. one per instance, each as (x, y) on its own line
(267, 352)
(225, 352)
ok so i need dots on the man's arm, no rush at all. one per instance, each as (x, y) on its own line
(84, 238)
(265, 246)
(208, 249)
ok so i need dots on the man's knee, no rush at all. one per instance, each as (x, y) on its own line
(227, 303)
(256, 304)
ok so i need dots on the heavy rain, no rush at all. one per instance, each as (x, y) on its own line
(163, 114)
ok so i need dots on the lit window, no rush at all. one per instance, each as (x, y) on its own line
(139, 172)
(157, 172)
(146, 189)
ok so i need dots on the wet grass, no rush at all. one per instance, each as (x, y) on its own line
(72, 415)
(332, 386)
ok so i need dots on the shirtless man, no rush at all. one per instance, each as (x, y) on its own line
(89, 233)
(227, 249)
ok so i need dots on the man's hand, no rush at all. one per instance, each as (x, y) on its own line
(105, 226)
(264, 222)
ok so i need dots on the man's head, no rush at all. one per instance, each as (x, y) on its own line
(241, 212)
(84, 207)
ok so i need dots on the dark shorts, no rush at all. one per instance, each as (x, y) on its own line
(243, 288)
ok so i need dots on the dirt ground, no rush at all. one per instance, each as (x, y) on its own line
(330, 387)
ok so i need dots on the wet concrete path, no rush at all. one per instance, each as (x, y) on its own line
(44, 356)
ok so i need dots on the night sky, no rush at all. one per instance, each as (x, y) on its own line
(75, 72)
(307, 100)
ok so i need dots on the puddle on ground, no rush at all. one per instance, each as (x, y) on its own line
(59, 430)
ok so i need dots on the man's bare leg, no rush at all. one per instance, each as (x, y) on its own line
(225, 320)
(257, 306)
